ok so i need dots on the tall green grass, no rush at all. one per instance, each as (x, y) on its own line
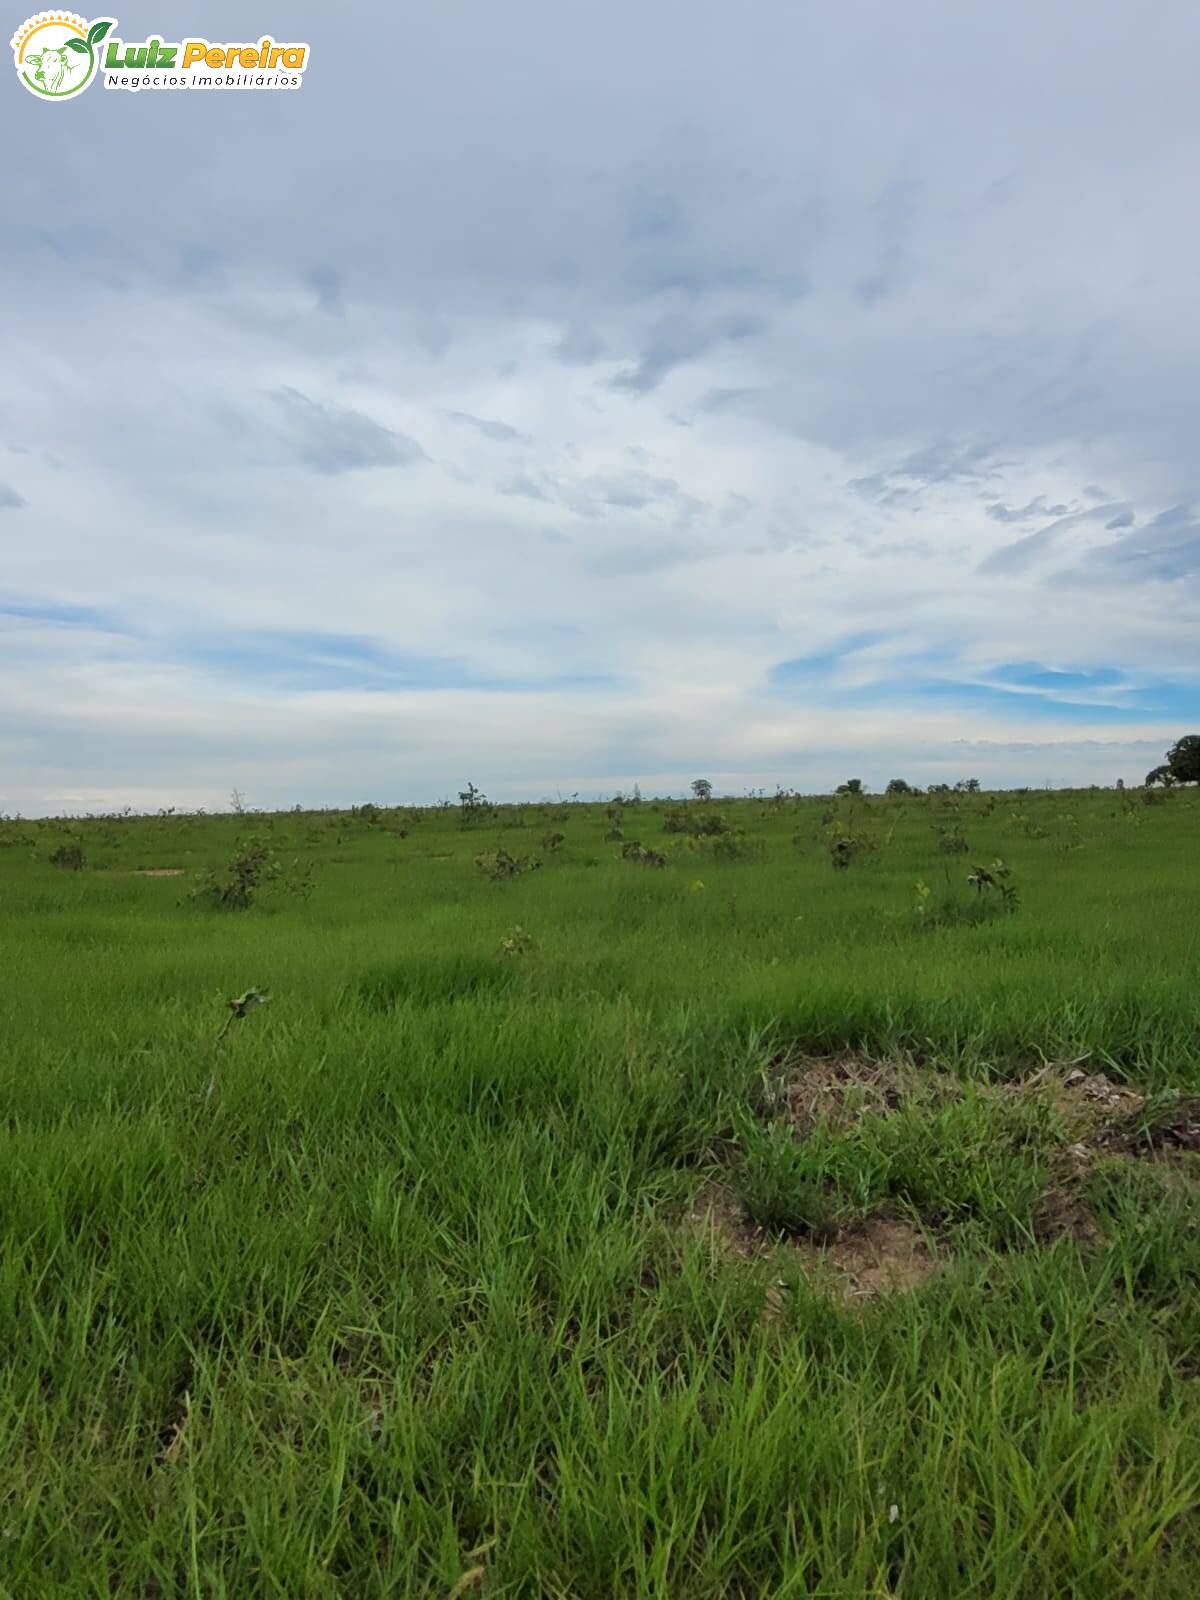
(409, 1295)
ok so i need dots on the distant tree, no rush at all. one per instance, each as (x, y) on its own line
(702, 789)
(851, 786)
(1183, 759)
(1162, 775)
(972, 785)
(473, 803)
(898, 786)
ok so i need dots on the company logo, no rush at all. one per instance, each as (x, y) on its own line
(58, 54)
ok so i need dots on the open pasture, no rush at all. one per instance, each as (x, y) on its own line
(782, 1196)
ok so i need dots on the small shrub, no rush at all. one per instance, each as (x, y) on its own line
(845, 848)
(473, 806)
(951, 909)
(516, 942)
(241, 1007)
(298, 881)
(644, 857)
(1028, 825)
(729, 846)
(499, 864)
(235, 886)
(994, 880)
(951, 841)
(698, 825)
(69, 856)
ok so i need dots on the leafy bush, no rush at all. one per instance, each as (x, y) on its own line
(70, 856)
(699, 825)
(235, 886)
(498, 864)
(951, 841)
(474, 806)
(951, 908)
(728, 846)
(846, 847)
(516, 942)
(995, 880)
(633, 851)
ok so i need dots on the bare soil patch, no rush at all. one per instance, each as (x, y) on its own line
(1173, 1134)
(879, 1256)
(890, 1254)
(1105, 1118)
(145, 872)
(718, 1216)
(883, 1254)
(1064, 1211)
(838, 1091)
(1086, 1101)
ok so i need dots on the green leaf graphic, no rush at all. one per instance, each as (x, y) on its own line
(97, 31)
(77, 44)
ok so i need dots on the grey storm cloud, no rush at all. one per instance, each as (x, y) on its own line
(327, 285)
(727, 399)
(522, 486)
(332, 438)
(678, 339)
(596, 494)
(1014, 558)
(10, 500)
(488, 426)
(894, 212)
(1036, 507)
(946, 462)
(1166, 549)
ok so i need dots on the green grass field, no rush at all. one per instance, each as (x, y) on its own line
(747, 1225)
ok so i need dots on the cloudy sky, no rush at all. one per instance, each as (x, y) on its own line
(559, 397)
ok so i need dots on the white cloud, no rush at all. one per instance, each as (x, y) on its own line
(611, 411)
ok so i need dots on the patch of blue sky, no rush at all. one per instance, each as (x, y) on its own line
(806, 669)
(317, 661)
(67, 616)
(1028, 689)
(1153, 701)
(1033, 675)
